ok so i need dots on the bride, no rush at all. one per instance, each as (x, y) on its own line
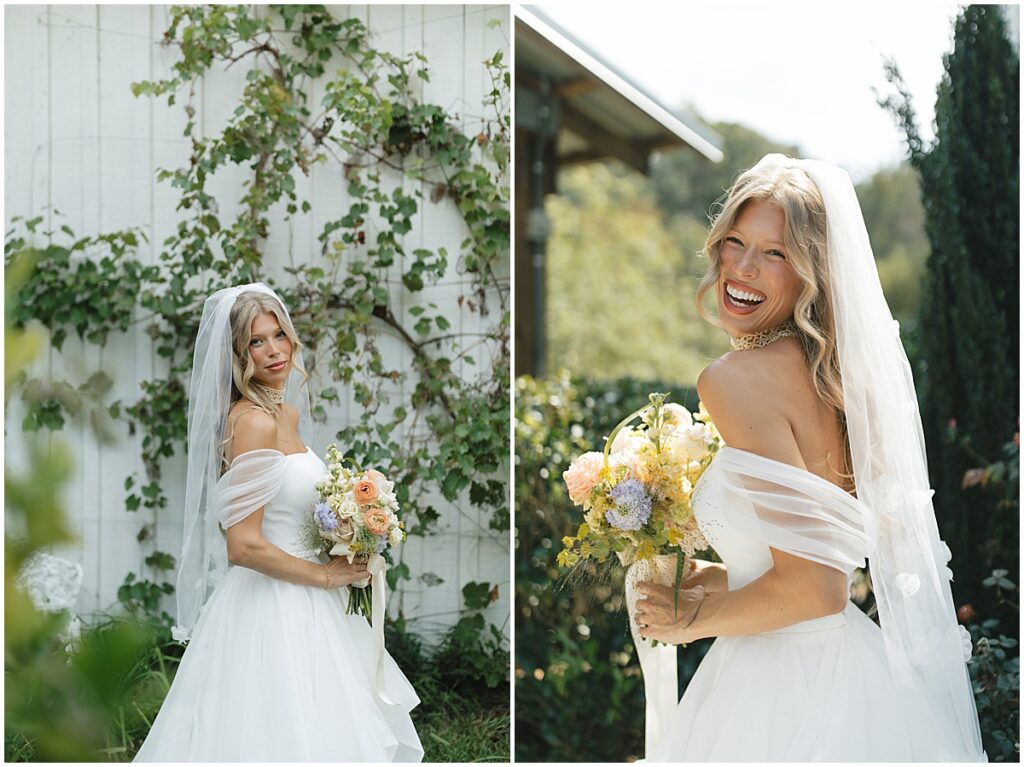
(824, 467)
(275, 670)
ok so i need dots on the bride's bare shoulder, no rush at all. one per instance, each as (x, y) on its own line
(250, 428)
(747, 394)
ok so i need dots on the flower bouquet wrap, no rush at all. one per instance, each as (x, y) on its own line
(357, 517)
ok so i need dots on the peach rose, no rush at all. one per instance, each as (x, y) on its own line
(384, 485)
(377, 521)
(365, 491)
(582, 476)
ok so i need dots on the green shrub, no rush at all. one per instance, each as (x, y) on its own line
(995, 676)
(579, 692)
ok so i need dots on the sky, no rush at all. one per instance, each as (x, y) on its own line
(798, 73)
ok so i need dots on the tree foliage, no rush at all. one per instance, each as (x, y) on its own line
(968, 375)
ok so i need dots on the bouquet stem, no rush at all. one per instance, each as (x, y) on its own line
(360, 601)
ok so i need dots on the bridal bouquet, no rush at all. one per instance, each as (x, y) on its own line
(357, 516)
(636, 495)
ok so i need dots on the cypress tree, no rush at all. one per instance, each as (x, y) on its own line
(967, 368)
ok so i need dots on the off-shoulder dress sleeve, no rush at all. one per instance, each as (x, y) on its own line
(792, 510)
(252, 480)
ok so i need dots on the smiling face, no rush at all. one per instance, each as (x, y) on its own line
(270, 350)
(762, 286)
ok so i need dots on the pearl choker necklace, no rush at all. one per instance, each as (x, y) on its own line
(276, 395)
(764, 337)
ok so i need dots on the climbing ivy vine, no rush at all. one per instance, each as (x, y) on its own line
(395, 155)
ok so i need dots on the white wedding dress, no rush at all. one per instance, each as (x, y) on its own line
(278, 672)
(815, 691)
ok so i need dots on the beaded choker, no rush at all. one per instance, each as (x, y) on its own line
(764, 337)
(276, 395)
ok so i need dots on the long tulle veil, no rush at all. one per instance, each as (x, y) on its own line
(907, 559)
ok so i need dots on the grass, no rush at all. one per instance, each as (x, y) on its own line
(459, 718)
(456, 727)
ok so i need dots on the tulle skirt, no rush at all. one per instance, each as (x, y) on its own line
(818, 692)
(278, 672)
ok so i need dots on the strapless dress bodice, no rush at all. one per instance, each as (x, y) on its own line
(288, 517)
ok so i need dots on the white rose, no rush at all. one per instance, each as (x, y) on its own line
(626, 458)
(626, 440)
(690, 442)
(396, 536)
(676, 415)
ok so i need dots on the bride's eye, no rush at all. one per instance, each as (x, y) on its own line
(778, 253)
(255, 341)
(736, 240)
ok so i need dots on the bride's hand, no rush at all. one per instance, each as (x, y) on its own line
(339, 572)
(659, 617)
(711, 575)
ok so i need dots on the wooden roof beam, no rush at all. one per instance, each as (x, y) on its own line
(604, 142)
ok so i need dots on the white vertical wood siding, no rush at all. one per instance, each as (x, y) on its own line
(77, 140)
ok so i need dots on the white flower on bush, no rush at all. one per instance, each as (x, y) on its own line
(71, 634)
(52, 583)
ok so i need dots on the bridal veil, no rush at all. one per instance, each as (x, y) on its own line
(203, 550)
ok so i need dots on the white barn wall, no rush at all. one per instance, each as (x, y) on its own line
(79, 141)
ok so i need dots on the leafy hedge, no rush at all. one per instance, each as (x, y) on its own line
(579, 693)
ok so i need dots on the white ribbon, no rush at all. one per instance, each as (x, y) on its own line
(377, 566)
(658, 664)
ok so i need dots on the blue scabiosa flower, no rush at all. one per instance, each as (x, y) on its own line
(632, 505)
(324, 517)
(382, 543)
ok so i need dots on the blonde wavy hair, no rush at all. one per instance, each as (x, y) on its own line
(806, 241)
(247, 307)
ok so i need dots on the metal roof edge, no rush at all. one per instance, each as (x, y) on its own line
(576, 51)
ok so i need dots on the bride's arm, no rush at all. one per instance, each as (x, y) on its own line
(746, 396)
(791, 591)
(246, 545)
